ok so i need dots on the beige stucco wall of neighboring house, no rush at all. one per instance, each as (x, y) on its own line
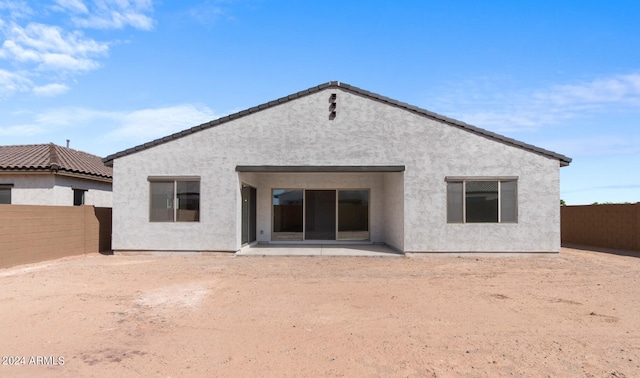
(55, 190)
(409, 212)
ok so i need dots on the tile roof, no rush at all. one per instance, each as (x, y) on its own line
(51, 157)
(564, 160)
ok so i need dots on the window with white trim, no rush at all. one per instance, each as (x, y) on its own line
(174, 200)
(482, 200)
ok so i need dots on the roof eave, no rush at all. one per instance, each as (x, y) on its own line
(59, 171)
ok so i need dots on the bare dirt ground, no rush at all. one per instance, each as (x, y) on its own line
(574, 315)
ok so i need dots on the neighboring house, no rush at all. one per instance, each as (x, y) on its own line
(336, 163)
(48, 174)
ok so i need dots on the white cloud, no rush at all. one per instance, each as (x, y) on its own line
(147, 124)
(208, 12)
(50, 48)
(108, 14)
(51, 90)
(20, 130)
(15, 9)
(45, 50)
(620, 89)
(75, 6)
(598, 146)
(72, 116)
(105, 131)
(487, 106)
(135, 126)
(12, 82)
(116, 14)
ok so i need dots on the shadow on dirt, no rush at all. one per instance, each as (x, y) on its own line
(618, 252)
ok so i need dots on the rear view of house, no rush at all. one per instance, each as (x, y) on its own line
(336, 163)
(48, 174)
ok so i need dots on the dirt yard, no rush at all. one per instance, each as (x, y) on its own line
(574, 315)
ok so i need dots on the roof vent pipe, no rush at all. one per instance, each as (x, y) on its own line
(68, 143)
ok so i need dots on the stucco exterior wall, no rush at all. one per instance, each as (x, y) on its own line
(394, 210)
(55, 190)
(365, 132)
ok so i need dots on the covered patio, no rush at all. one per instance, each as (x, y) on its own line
(321, 205)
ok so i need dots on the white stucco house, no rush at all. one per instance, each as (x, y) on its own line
(48, 174)
(337, 164)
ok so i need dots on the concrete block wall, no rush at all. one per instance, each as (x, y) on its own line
(31, 234)
(615, 226)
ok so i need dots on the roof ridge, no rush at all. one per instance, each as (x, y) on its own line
(54, 161)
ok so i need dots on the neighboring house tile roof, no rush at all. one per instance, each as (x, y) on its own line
(564, 160)
(52, 158)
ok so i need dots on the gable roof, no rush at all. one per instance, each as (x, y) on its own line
(52, 158)
(564, 160)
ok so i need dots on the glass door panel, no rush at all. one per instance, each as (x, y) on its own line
(320, 215)
(253, 203)
(287, 214)
(248, 214)
(353, 215)
(245, 214)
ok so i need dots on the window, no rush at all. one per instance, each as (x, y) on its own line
(482, 201)
(78, 197)
(5, 194)
(174, 200)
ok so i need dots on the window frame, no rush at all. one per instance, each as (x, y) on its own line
(9, 188)
(175, 196)
(499, 180)
(83, 198)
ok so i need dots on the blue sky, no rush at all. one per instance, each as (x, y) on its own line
(109, 75)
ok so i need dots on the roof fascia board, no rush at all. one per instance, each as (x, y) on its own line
(60, 172)
(84, 176)
(26, 171)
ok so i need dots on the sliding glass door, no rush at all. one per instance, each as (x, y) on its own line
(320, 215)
(334, 214)
(353, 214)
(287, 214)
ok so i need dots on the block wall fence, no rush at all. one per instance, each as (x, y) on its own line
(615, 226)
(31, 234)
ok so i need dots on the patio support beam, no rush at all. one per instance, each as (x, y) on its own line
(320, 168)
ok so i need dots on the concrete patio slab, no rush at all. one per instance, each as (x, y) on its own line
(380, 250)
